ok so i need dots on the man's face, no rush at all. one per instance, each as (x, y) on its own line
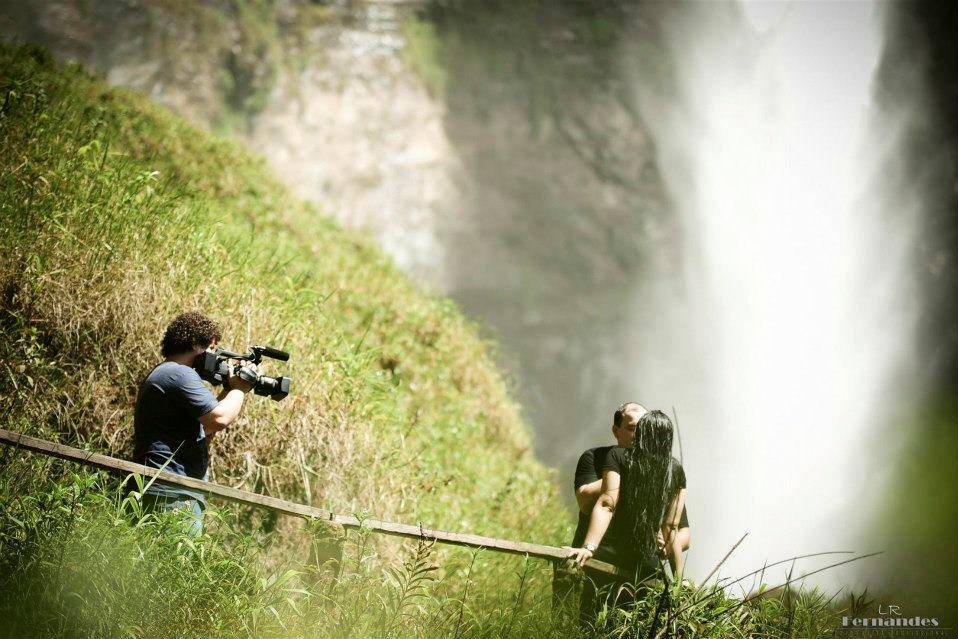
(199, 350)
(625, 433)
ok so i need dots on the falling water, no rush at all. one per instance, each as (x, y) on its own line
(779, 337)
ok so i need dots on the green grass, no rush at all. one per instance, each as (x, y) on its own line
(74, 563)
(77, 558)
(422, 52)
(114, 217)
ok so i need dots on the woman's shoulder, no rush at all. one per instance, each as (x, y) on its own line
(678, 472)
(616, 459)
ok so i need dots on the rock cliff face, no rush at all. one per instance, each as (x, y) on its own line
(563, 201)
(357, 131)
(494, 152)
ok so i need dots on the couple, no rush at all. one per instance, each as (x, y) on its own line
(632, 502)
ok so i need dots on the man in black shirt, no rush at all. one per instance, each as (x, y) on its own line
(176, 413)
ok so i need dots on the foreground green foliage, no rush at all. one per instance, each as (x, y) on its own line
(78, 558)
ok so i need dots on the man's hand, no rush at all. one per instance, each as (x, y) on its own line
(578, 556)
(237, 382)
(230, 404)
(660, 543)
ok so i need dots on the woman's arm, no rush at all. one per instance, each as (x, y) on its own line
(601, 516)
(670, 527)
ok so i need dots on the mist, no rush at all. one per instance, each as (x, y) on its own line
(788, 315)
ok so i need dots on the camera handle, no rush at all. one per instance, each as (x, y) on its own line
(256, 354)
(247, 374)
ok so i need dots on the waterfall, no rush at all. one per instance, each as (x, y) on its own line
(779, 333)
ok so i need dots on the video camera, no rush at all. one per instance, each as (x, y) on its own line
(215, 368)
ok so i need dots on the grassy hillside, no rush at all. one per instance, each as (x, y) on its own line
(115, 216)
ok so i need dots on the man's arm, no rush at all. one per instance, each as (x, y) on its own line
(587, 494)
(588, 481)
(601, 517)
(229, 406)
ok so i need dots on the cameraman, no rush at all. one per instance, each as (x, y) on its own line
(175, 413)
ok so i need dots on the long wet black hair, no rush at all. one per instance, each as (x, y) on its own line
(649, 489)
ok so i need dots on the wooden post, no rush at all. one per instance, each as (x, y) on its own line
(120, 466)
(326, 546)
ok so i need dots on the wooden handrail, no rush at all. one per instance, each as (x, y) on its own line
(112, 464)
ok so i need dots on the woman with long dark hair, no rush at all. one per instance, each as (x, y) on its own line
(643, 493)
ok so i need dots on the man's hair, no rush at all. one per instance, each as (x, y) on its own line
(188, 330)
(622, 410)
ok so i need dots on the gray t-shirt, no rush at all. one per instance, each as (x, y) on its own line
(167, 428)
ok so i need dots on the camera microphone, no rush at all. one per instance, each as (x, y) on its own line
(273, 353)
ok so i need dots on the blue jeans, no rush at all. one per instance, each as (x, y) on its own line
(189, 508)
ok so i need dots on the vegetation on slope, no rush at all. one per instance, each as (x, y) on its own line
(115, 216)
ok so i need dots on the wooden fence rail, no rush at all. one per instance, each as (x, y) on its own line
(120, 466)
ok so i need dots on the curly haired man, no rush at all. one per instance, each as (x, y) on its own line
(176, 413)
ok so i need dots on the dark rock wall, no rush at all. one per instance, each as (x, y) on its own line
(562, 202)
(917, 84)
